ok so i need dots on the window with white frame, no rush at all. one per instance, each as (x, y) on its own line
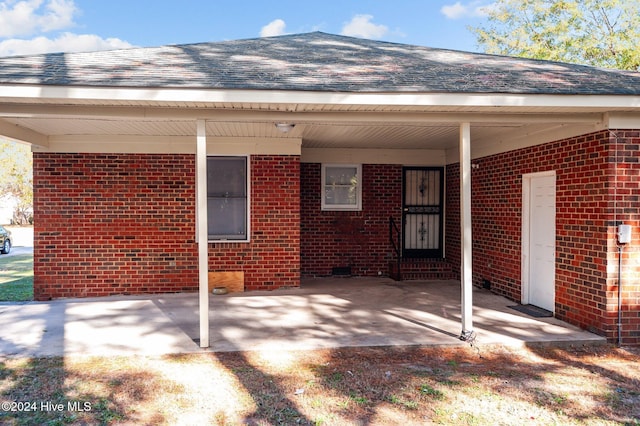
(227, 198)
(341, 186)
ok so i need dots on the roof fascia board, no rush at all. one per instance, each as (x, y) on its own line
(220, 115)
(106, 144)
(23, 135)
(204, 95)
(623, 121)
(407, 157)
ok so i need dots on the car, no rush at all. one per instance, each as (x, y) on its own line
(5, 238)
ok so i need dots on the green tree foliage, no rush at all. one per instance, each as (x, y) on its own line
(17, 179)
(604, 33)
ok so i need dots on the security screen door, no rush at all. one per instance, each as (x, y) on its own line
(422, 212)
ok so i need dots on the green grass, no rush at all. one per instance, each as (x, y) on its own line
(16, 278)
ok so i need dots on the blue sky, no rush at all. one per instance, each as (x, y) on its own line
(39, 26)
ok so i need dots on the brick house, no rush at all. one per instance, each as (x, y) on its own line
(315, 154)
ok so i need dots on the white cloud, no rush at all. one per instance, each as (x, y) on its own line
(23, 18)
(60, 15)
(471, 9)
(454, 11)
(273, 28)
(361, 26)
(20, 18)
(66, 42)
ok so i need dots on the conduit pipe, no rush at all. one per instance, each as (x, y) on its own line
(620, 294)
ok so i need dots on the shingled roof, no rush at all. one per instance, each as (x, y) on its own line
(315, 62)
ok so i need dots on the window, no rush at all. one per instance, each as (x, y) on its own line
(341, 187)
(227, 200)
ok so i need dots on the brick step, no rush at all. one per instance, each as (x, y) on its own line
(421, 269)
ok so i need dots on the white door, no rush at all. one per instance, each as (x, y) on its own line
(542, 241)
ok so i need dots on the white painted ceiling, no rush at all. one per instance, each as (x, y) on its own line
(408, 127)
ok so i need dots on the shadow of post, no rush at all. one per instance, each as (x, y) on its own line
(273, 401)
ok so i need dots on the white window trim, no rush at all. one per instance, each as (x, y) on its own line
(341, 207)
(248, 239)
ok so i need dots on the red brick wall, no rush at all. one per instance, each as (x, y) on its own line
(272, 257)
(113, 224)
(452, 246)
(625, 153)
(585, 274)
(125, 224)
(356, 239)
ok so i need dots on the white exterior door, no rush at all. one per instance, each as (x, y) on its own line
(540, 214)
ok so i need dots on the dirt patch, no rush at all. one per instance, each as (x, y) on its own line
(380, 386)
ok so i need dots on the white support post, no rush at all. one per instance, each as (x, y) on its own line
(202, 233)
(465, 232)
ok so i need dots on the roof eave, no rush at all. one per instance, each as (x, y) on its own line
(69, 95)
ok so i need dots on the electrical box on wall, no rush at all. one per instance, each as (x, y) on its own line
(624, 234)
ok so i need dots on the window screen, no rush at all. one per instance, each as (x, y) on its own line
(227, 214)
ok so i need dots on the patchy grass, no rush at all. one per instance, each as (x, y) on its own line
(16, 278)
(379, 386)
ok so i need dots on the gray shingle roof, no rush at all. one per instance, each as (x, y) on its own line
(317, 62)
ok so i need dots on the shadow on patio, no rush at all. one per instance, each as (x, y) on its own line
(348, 312)
(324, 313)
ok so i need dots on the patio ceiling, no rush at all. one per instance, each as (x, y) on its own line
(317, 125)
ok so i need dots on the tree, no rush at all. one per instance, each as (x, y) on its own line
(17, 179)
(603, 33)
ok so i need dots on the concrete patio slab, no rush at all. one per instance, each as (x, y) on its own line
(100, 326)
(324, 313)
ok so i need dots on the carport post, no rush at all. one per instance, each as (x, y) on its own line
(201, 231)
(465, 232)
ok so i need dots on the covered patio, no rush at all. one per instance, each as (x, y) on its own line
(323, 313)
(122, 141)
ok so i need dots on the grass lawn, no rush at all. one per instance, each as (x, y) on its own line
(16, 278)
(356, 386)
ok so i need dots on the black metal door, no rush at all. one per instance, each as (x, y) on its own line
(422, 198)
